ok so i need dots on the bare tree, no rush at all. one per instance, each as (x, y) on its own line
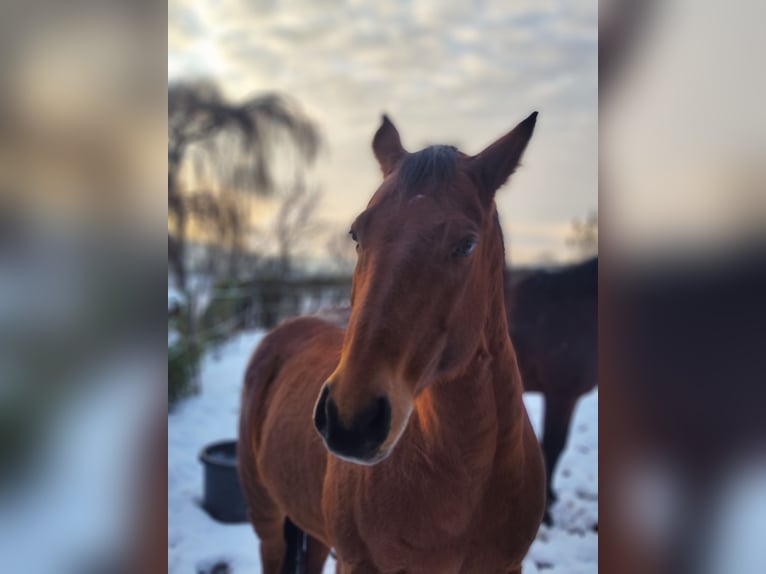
(235, 145)
(296, 224)
(584, 235)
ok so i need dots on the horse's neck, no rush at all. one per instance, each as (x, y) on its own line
(476, 412)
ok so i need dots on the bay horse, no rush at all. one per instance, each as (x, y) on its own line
(403, 442)
(553, 319)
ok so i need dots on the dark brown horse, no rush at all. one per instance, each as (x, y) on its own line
(683, 360)
(403, 442)
(553, 318)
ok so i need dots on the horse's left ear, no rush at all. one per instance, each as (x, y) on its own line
(493, 166)
(387, 146)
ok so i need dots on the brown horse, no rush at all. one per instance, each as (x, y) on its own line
(403, 443)
(553, 318)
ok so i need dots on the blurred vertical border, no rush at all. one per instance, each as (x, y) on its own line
(682, 317)
(83, 434)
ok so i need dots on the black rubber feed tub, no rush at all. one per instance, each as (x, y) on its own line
(223, 498)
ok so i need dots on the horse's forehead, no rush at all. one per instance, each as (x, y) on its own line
(425, 199)
(456, 190)
(454, 197)
(443, 200)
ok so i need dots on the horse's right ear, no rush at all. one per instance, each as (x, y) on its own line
(493, 166)
(387, 146)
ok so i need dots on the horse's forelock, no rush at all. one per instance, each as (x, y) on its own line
(433, 164)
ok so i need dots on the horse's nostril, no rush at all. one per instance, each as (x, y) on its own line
(320, 412)
(363, 437)
(373, 424)
(380, 422)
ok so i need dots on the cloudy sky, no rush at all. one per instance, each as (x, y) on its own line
(462, 73)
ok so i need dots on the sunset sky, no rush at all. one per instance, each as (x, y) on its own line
(446, 72)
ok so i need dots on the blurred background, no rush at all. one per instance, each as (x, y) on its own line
(267, 110)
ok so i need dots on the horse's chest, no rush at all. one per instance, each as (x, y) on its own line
(394, 523)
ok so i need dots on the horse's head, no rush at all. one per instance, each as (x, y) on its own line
(430, 259)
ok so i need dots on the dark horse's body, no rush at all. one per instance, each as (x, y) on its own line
(403, 441)
(553, 318)
(684, 368)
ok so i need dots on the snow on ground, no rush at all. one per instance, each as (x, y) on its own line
(196, 543)
(571, 545)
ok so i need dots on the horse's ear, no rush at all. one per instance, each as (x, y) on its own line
(387, 146)
(493, 166)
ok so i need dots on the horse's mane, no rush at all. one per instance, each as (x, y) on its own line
(435, 163)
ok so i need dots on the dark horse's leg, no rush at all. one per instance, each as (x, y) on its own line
(304, 554)
(558, 414)
(297, 545)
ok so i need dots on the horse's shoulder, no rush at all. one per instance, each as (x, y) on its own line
(305, 325)
(303, 333)
(289, 338)
(309, 330)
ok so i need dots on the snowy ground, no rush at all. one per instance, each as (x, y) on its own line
(196, 543)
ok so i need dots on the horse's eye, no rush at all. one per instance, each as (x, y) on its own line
(465, 247)
(352, 233)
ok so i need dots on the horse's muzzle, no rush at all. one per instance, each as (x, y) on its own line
(361, 440)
